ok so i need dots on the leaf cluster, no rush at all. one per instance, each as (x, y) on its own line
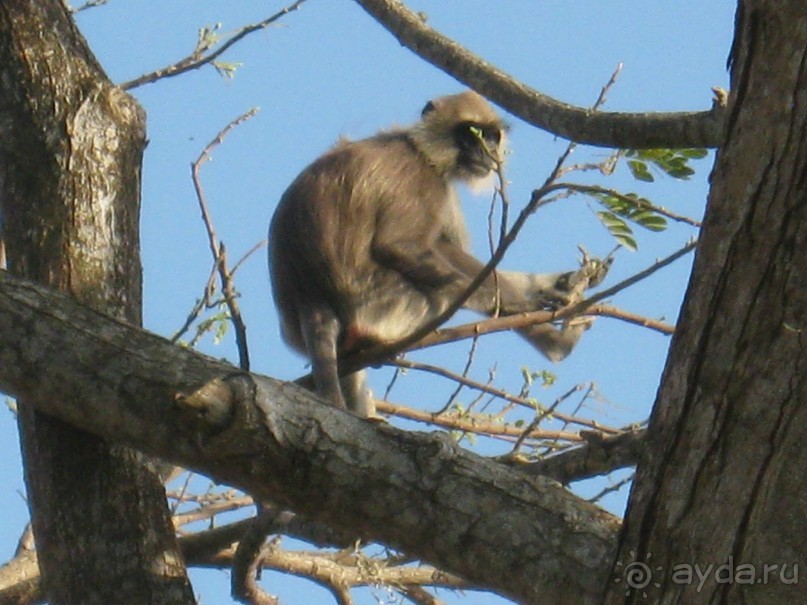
(623, 208)
(672, 162)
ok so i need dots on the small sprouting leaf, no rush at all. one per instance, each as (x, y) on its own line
(207, 37)
(226, 69)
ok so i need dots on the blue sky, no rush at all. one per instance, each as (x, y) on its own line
(329, 70)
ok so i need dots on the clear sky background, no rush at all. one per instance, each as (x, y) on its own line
(329, 70)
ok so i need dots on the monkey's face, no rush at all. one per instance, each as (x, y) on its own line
(461, 136)
(479, 148)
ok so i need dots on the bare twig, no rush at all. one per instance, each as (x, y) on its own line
(541, 416)
(612, 488)
(200, 56)
(217, 248)
(522, 401)
(645, 322)
(475, 425)
(87, 5)
(558, 170)
(461, 382)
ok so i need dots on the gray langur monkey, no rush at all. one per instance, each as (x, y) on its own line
(369, 243)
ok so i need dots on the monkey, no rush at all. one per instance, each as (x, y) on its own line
(369, 243)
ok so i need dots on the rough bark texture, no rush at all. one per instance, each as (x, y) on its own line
(70, 154)
(724, 483)
(524, 537)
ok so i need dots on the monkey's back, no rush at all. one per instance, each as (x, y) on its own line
(322, 234)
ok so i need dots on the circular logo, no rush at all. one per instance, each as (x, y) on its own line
(636, 575)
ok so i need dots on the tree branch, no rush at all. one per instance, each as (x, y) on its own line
(202, 54)
(626, 130)
(527, 538)
(600, 456)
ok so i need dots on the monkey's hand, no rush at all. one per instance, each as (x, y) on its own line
(591, 273)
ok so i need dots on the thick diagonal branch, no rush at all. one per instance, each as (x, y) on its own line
(524, 537)
(623, 130)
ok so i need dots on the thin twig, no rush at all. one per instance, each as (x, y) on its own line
(198, 58)
(539, 418)
(460, 383)
(485, 388)
(638, 203)
(558, 170)
(633, 318)
(87, 5)
(469, 425)
(217, 248)
(612, 488)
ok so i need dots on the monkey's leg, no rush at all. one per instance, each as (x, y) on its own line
(357, 396)
(321, 329)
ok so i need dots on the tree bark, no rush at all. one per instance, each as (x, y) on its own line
(70, 154)
(724, 482)
(524, 537)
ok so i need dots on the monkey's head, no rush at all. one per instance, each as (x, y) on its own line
(461, 136)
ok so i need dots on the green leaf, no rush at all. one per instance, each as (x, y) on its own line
(627, 242)
(673, 162)
(649, 220)
(618, 229)
(640, 171)
(694, 154)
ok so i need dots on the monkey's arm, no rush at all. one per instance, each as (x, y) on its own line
(565, 288)
(419, 262)
(496, 293)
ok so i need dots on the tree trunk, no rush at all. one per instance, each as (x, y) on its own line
(724, 483)
(70, 153)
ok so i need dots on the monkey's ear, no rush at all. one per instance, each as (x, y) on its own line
(427, 108)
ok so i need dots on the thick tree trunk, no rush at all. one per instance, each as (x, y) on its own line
(724, 483)
(70, 152)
